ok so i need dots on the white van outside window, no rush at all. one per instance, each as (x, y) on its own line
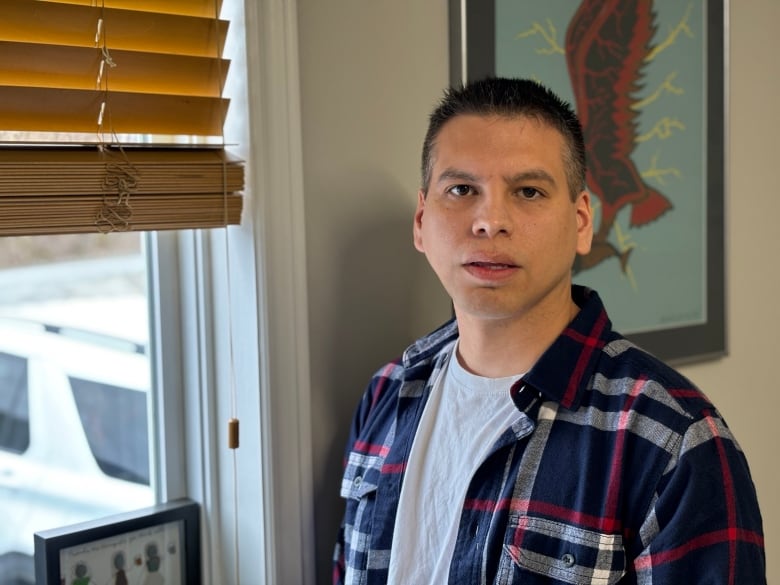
(75, 388)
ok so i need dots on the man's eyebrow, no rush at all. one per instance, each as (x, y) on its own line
(451, 174)
(531, 175)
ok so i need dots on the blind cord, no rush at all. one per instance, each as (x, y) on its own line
(233, 422)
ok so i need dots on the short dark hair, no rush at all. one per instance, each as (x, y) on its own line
(499, 96)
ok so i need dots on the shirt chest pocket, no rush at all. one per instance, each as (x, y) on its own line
(565, 553)
(358, 488)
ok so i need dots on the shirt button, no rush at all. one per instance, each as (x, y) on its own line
(568, 560)
(357, 481)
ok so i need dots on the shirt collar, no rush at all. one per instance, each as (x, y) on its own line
(429, 346)
(563, 370)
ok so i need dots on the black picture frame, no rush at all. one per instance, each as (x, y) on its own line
(472, 48)
(165, 537)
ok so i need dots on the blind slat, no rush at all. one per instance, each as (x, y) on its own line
(28, 64)
(74, 25)
(71, 110)
(204, 8)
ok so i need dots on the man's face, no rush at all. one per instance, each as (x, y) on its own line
(498, 224)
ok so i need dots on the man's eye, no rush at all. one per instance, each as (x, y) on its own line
(529, 193)
(459, 190)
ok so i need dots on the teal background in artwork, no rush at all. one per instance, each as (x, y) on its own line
(664, 285)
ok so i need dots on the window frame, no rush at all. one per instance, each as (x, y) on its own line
(258, 311)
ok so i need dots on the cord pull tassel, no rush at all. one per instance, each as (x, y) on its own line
(233, 433)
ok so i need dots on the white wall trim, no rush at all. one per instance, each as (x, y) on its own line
(278, 216)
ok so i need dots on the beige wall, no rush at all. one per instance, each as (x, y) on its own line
(370, 73)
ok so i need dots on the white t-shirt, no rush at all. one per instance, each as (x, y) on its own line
(464, 416)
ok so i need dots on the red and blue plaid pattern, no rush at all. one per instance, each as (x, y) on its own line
(620, 472)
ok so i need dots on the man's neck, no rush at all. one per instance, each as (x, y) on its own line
(497, 348)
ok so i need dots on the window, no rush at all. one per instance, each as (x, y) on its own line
(198, 312)
(75, 384)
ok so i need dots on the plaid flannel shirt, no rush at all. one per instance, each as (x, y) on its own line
(620, 472)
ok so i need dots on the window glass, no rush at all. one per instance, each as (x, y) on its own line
(75, 386)
(115, 422)
(14, 424)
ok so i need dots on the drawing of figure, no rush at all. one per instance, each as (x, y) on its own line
(153, 565)
(81, 574)
(120, 578)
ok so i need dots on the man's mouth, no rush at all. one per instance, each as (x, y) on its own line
(491, 265)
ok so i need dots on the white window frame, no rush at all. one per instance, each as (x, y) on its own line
(261, 302)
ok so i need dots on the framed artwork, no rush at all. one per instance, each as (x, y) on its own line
(647, 79)
(155, 545)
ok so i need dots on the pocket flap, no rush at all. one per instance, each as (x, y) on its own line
(567, 553)
(357, 482)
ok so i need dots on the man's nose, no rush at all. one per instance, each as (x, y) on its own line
(492, 216)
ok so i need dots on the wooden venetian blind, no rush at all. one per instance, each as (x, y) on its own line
(111, 115)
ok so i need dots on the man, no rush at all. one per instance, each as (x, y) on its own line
(526, 441)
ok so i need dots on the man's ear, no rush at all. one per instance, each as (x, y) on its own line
(584, 222)
(418, 219)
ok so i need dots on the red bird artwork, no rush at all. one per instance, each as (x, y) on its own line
(607, 43)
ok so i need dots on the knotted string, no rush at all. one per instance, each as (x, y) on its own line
(119, 182)
(121, 178)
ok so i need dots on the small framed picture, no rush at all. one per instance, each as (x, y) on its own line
(151, 546)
